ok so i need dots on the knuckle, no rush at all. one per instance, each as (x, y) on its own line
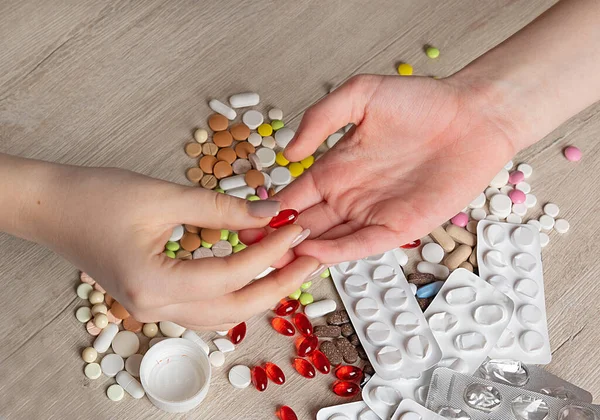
(222, 203)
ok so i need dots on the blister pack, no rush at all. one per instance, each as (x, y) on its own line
(384, 396)
(509, 258)
(457, 396)
(532, 378)
(352, 411)
(410, 410)
(386, 316)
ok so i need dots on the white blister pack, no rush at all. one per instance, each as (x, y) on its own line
(386, 316)
(410, 410)
(467, 318)
(509, 258)
(352, 411)
(384, 396)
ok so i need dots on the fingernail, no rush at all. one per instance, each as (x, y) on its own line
(300, 238)
(315, 274)
(263, 208)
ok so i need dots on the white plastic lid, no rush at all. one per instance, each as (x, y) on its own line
(175, 374)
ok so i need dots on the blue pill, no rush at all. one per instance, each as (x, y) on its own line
(429, 290)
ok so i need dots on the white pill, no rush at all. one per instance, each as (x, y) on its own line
(112, 364)
(319, 308)
(177, 233)
(490, 192)
(156, 340)
(84, 290)
(252, 119)
(333, 139)
(514, 218)
(401, 257)
(266, 157)
(201, 135)
(551, 210)
(268, 181)
(526, 169)
(224, 345)
(268, 142)
(232, 182)
(283, 136)
(432, 252)
(130, 384)
(255, 139)
(500, 203)
(240, 376)
(561, 226)
(520, 209)
(479, 201)
(241, 100)
(535, 223)
(132, 364)
(544, 239)
(546, 222)
(105, 338)
(170, 329)
(125, 343)
(115, 392)
(83, 314)
(275, 114)
(506, 189)
(241, 192)
(500, 179)
(478, 214)
(439, 271)
(93, 371)
(530, 201)
(281, 176)
(220, 108)
(217, 359)
(523, 186)
(509, 165)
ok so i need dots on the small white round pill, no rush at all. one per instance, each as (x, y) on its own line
(432, 252)
(523, 186)
(514, 218)
(546, 222)
(281, 176)
(132, 364)
(266, 157)
(170, 329)
(530, 201)
(83, 314)
(99, 308)
(268, 142)
(500, 203)
(217, 359)
(89, 354)
(275, 114)
(115, 392)
(252, 119)
(490, 192)
(561, 226)
(93, 371)
(201, 135)
(520, 209)
(500, 179)
(283, 136)
(177, 233)
(535, 223)
(255, 139)
(100, 321)
(544, 239)
(551, 210)
(509, 165)
(478, 214)
(506, 189)
(112, 364)
(150, 330)
(84, 290)
(526, 169)
(479, 201)
(333, 139)
(240, 376)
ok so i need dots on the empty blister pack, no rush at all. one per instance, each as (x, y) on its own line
(532, 378)
(386, 316)
(457, 396)
(352, 411)
(410, 410)
(384, 396)
(509, 258)
(467, 318)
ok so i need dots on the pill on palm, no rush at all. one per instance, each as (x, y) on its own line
(517, 196)
(262, 193)
(432, 252)
(572, 153)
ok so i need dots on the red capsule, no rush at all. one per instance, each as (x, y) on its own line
(348, 373)
(259, 378)
(304, 368)
(237, 333)
(345, 388)
(306, 345)
(286, 413)
(303, 324)
(283, 326)
(285, 217)
(286, 307)
(275, 373)
(320, 361)
(412, 244)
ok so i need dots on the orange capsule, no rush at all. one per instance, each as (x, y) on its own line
(348, 373)
(286, 413)
(304, 368)
(237, 333)
(306, 345)
(320, 361)
(259, 378)
(345, 388)
(275, 373)
(283, 326)
(286, 307)
(303, 324)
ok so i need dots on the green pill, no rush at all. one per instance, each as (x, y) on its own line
(239, 247)
(234, 239)
(295, 295)
(306, 298)
(206, 245)
(170, 253)
(224, 234)
(306, 285)
(325, 273)
(172, 246)
(276, 124)
(253, 198)
(432, 52)
(219, 190)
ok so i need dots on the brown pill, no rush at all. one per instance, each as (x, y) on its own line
(222, 169)
(108, 300)
(212, 236)
(421, 279)
(333, 331)
(424, 303)
(192, 229)
(207, 163)
(347, 330)
(119, 311)
(271, 192)
(209, 182)
(338, 318)
(182, 254)
(254, 178)
(194, 174)
(112, 318)
(348, 351)
(240, 131)
(227, 154)
(243, 149)
(132, 325)
(223, 139)
(331, 351)
(193, 149)
(353, 339)
(218, 122)
(210, 149)
(190, 241)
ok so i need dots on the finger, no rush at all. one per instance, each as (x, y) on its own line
(319, 219)
(338, 231)
(302, 193)
(251, 236)
(344, 105)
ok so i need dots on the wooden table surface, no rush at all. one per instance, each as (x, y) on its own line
(124, 83)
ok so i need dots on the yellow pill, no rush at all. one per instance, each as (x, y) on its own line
(307, 162)
(405, 69)
(281, 160)
(296, 169)
(265, 130)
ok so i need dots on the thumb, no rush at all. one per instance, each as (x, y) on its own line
(344, 105)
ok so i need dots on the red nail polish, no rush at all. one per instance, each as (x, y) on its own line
(412, 244)
(285, 217)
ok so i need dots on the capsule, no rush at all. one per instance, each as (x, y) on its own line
(105, 338)
(275, 373)
(348, 373)
(412, 244)
(285, 217)
(286, 307)
(245, 99)
(320, 361)
(259, 378)
(306, 345)
(303, 325)
(345, 388)
(304, 368)
(130, 384)
(283, 326)
(286, 413)
(237, 333)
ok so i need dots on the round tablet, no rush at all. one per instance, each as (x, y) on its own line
(132, 324)
(150, 329)
(479, 201)
(222, 170)
(201, 135)
(100, 308)
(523, 186)
(526, 169)
(112, 364)
(333, 139)
(89, 354)
(92, 329)
(520, 209)
(212, 236)
(281, 176)
(500, 203)
(115, 392)
(255, 139)
(241, 166)
(254, 178)
(190, 241)
(100, 321)
(500, 179)
(239, 131)
(84, 289)
(546, 222)
(478, 214)
(530, 201)
(283, 136)
(222, 249)
(93, 371)
(217, 359)
(266, 157)
(490, 192)
(432, 252)
(239, 376)
(551, 209)
(119, 311)
(268, 142)
(227, 154)
(275, 114)
(210, 149)
(544, 239)
(218, 122)
(223, 139)
(83, 314)
(132, 364)
(561, 226)
(209, 182)
(243, 149)
(194, 174)
(252, 119)
(177, 233)
(193, 149)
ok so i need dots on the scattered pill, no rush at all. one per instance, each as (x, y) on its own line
(92, 329)
(269, 142)
(284, 136)
(100, 321)
(516, 177)
(217, 122)
(240, 376)
(243, 100)
(83, 314)
(237, 333)
(193, 150)
(303, 325)
(457, 257)
(84, 290)
(561, 226)
(320, 308)
(132, 364)
(551, 210)
(526, 169)
(277, 124)
(283, 326)
(89, 354)
(216, 358)
(222, 109)
(432, 252)
(209, 182)
(306, 299)
(304, 368)
(264, 130)
(201, 135)
(281, 176)
(170, 329)
(130, 384)
(115, 392)
(546, 222)
(93, 371)
(405, 69)
(190, 241)
(274, 373)
(517, 196)
(320, 361)
(348, 373)
(443, 238)
(514, 218)
(286, 413)
(125, 343)
(306, 345)
(224, 345)
(572, 153)
(222, 139)
(99, 308)
(252, 119)
(477, 214)
(345, 388)
(296, 169)
(266, 157)
(530, 201)
(275, 114)
(432, 52)
(112, 364)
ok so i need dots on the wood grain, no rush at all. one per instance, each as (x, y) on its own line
(124, 83)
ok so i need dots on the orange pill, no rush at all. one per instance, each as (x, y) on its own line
(240, 131)
(193, 149)
(207, 163)
(210, 149)
(194, 174)
(254, 178)
(182, 254)
(243, 149)
(218, 122)
(192, 229)
(223, 139)
(227, 154)
(190, 241)
(212, 236)
(209, 182)
(119, 311)
(222, 169)
(133, 325)
(108, 300)
(92, 329)
(112, 318)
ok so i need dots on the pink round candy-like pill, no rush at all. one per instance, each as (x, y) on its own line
(517, 196)
(262, 193)
(515, 177)
(461, 219)
(572, 153)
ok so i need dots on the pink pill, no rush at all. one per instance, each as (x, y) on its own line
(572, 153)
(515, 177)
(461, 219)
(262, 193)
(517, 196)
